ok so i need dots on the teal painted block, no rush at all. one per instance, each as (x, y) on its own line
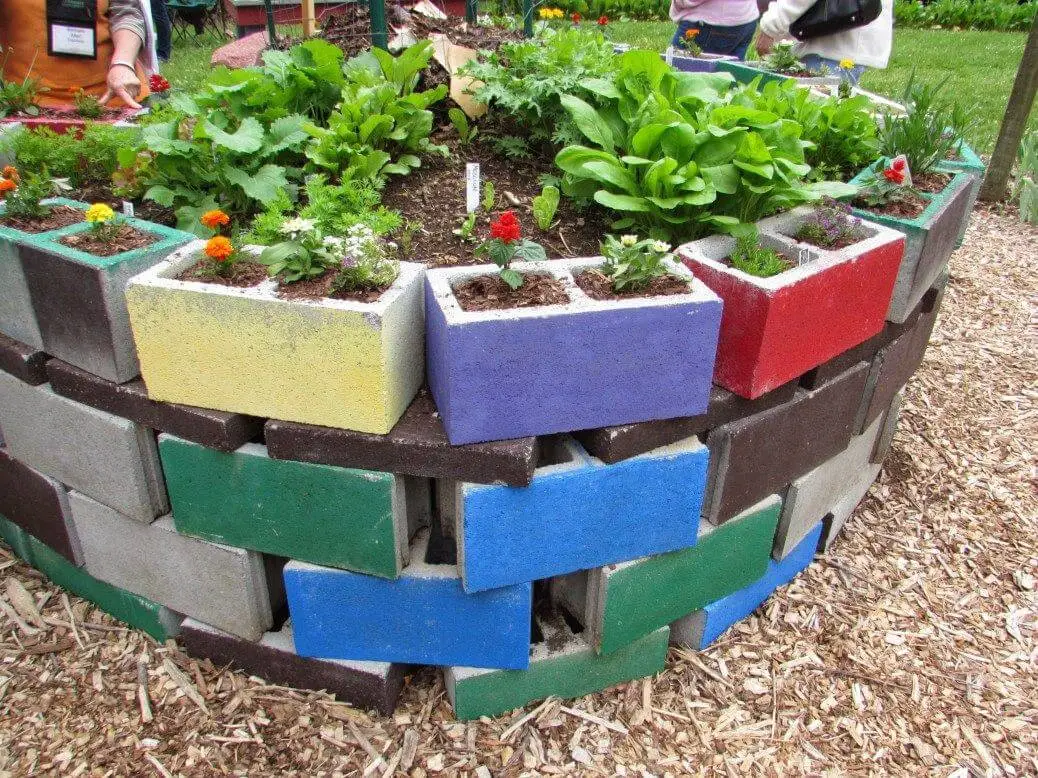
(141, 613)
(745, 73)
(561, 665)
(79, 300)
(622, 603)
(930, 239)
(970, 162)
(17, 538)
(334, 516)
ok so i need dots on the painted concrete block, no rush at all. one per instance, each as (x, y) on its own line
(759, 455)
(417, 445)
(110, 459)
(578, 513)
(967, 162)
(698, 630)
(930, 239)
(230, 588)
(355, 519)
(746, 73)
(24, 362)
(810, 497)
(273, 657)
(894, 365)
(616, 443)
(504, 374)
(17, 318)
(213, 429)
(775, 329)
(139, 612)
(17, 538)
(621, 603)
(702, 63)
(562, 664)
(423, 617)
(39, 505)
(78, 298)
(886, 434)
(335, 363)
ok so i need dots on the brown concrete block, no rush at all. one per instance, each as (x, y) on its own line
(39, 505)
(23, 362)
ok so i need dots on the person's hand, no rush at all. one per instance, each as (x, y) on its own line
(124, 84)
(764, 44)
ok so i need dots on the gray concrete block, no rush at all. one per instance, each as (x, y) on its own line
(838, 484)
(103, 456)
(229, 588)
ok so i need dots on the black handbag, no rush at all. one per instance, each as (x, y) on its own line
(827, 17)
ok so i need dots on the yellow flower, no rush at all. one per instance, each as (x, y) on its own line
(847, 64)
(99, 213)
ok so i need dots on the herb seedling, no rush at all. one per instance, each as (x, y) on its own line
(754, 259)
(22, 195)
(544, 207)
(467, 227)
(304, 255)
(466, 131)
(407, 235)
(831, 226)
(689, 44)
(632, 264)
(363, 260)
(488, 196)
(87, 106)
(782, 59)
(506, 245)
(19, 97)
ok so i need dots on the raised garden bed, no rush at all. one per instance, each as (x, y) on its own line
(62, 120)
(335, 363)
(700, 63)
(745, 73)
(777, 328)
(500, 374)
(930, 238)
(967, 161)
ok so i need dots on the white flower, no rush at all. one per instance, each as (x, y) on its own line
(332, 240)
(628, 240)
(660, 246)
(296, 226)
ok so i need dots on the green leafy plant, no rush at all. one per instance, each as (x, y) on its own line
(304, 254)
(467, 227)
(363, 261)
(929, 131)
(966, 14)
(754, 259)
(511, 146)
(488, 198)
(87, 106)
(1026, 190)
(506, 245)
(783, 59)
(671, 156)
(523, 80)
(466, 132)
(24, 201)
(406, 235)
(544, 207)
(831, 225)
(20, 97)
(89, 159)
(632, 264)
(381, 124)
(130, 179)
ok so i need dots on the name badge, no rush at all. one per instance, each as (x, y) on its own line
(72, 28)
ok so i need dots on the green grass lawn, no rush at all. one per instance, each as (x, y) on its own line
(981, 66)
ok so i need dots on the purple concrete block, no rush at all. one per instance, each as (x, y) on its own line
(534, 371)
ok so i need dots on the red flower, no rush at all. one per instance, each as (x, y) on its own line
(899, 165)
(158, 83)
(576, 18)
(603, 20)
(506, 229)
(894, 176)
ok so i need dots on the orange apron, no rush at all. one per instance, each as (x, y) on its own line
(23, 35)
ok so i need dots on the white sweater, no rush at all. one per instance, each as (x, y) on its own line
(868, 45)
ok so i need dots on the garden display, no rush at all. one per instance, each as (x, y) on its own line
(526, 392)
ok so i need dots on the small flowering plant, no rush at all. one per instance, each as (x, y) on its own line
(689, 44)
(364, 261)
(575, 17)
(22, 194)
(889, 180)
(220, 252)
(603, 20)
(9, 180)
(104, 225)
(631, 264)
(831, 226)
(87, 106)
(549, 13)
(301, 256)
(506, 245)
(158, 84)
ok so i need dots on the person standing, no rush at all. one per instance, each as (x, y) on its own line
(724, 26)
(847, 53)
(163, 29)
(104, 47)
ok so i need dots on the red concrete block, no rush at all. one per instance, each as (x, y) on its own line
(775, 329)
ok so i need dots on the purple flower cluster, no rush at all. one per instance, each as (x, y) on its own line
(831, 225)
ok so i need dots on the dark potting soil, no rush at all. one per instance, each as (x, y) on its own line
(242, 274)
(472, 36)
(841, 242)
(142, 209)
(931, 183)
(319, 288)
(490, 293)
(127, 238)
(59, 216)
(107, 114)
(598, 286)
(434, 195)
(908, 207)
(349, 29)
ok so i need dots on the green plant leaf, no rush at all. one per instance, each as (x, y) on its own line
(513, 278)
(248, 138)
(263, 186)
(620, 202)
(588, 121)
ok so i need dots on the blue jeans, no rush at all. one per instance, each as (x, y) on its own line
(163, 29)
(815, 62)
(714, 39)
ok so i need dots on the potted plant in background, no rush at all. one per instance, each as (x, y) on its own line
(624, 337)
(781, 64)
(689, 57)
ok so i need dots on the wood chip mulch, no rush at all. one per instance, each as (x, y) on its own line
(910, 648)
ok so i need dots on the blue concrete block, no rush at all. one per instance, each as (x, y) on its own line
(703, 627)
(423, 617)
(579, 513)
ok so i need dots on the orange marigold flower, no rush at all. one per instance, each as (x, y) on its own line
(7, 185)
(691, 33)
(219, 248)
(215, 219)
(11, 172)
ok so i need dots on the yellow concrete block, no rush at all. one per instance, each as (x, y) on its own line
(336, 363)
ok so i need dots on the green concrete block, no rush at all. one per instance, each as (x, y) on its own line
(570, 670)
(334, 516)
(623, 602)
(17, 539)
(143, 614)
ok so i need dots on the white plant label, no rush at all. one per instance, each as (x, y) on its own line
(127, 209)
(471, 186)
(670, 55)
